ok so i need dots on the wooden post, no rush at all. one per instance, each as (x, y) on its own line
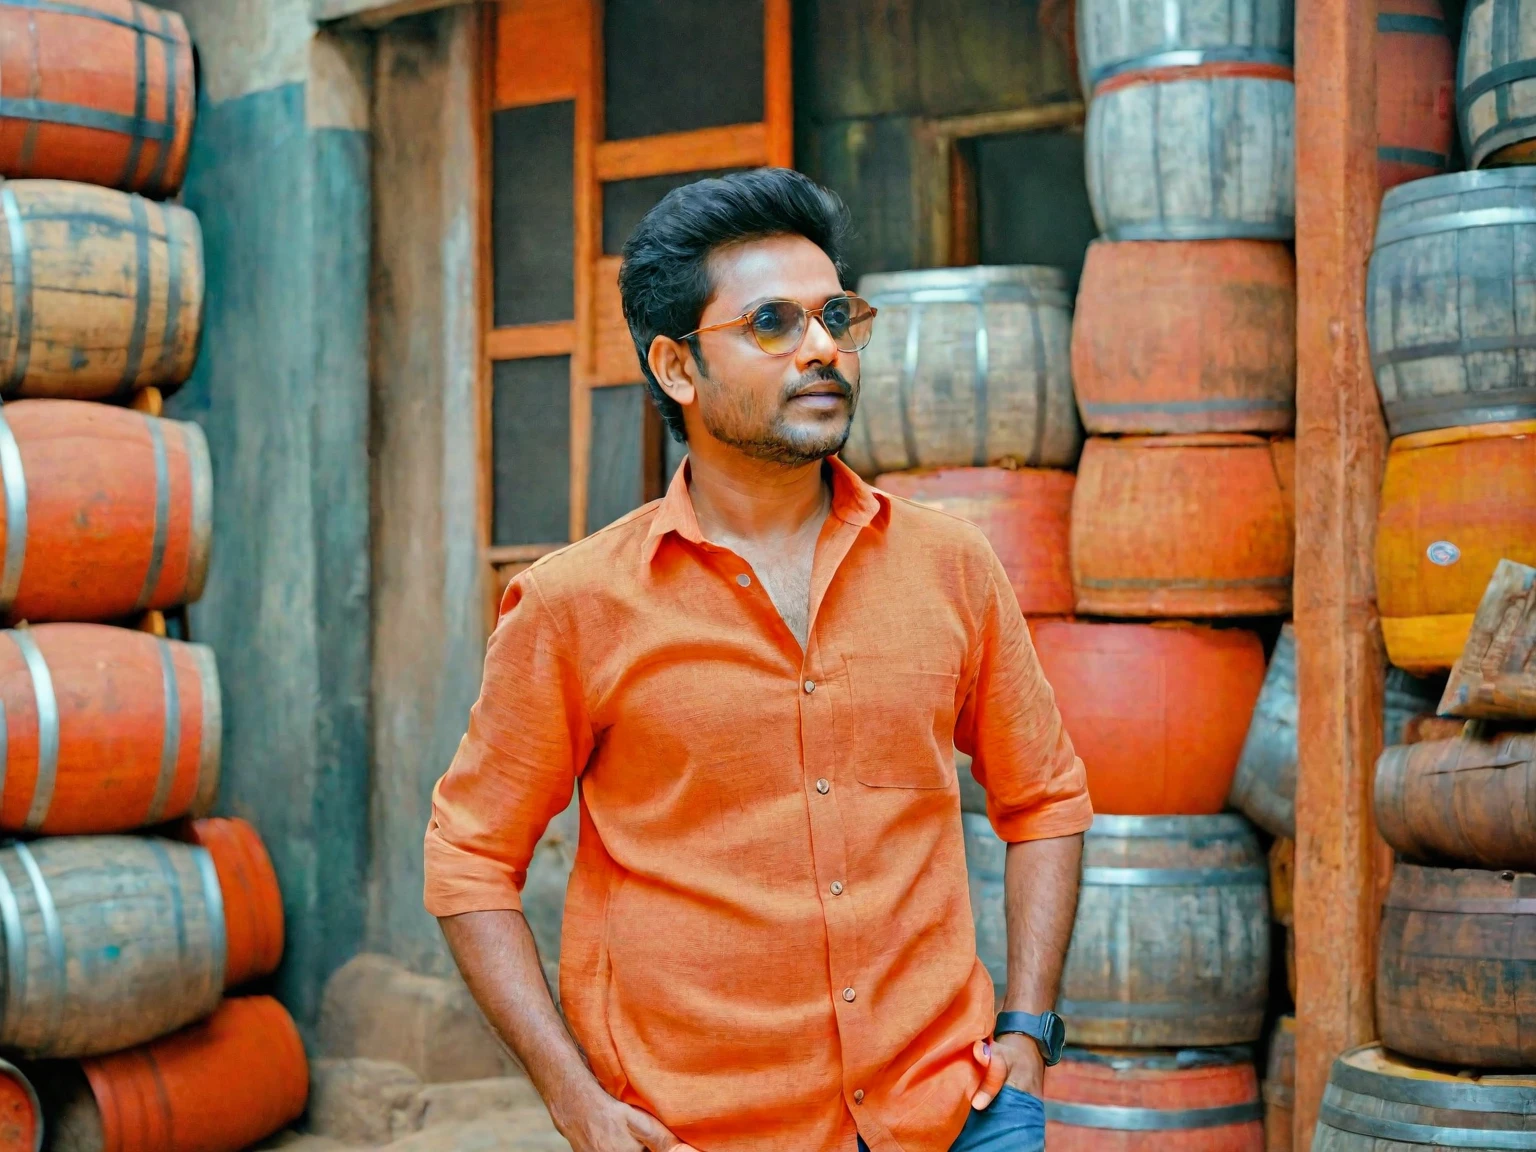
(1341, 443)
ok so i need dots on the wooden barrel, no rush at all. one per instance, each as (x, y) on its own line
(1496, 82)
(109, 941)
(1125, 1100)
(1454, 502)
(106, 729)
(107, 511)
(174, 1095)
(1466, 801)
(967, 367)
(102, 91)
(101, 292)
(1156, 711)
(1026, 515)
(253, 903)
(1115, 37)
(1415, 79)
(1445, 301)
(1184, 526)
(1171, 944)
(1264, 787)
(1196, 336)
(21, 1115)
(1280, 1087)
(1380, 1101)
(1205, 152)
(1427, 726)
(1456, 979)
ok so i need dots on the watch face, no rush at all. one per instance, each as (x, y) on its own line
(1055, 1034)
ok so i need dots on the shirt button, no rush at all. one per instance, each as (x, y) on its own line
(849, 994)
(810, 686)
(744, 580)
(823, 787)
(858, 1095)
(837, 887)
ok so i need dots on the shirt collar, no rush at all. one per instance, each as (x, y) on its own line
(853, 502)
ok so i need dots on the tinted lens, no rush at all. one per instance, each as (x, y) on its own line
(851, 322)
(777, 326)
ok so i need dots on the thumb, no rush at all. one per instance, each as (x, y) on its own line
(653, 1133)
(995, 1061)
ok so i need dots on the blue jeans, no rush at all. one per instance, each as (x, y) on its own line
(1014, 1122)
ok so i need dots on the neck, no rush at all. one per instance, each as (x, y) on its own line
(735, 496)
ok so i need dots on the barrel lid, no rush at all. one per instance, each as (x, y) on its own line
(1161, 1058)
(1437, 437)
(1432, 187)
(1222, 825)
(1374, 1071)
(877, 286)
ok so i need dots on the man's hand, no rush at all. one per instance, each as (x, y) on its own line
(599, 1123)
(1011, 1059)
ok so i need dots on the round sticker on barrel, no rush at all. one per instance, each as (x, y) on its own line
(1443, 553)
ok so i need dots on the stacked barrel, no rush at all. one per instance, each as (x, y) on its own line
(125, 915)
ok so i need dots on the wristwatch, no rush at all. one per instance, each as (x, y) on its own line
(1048, 1030)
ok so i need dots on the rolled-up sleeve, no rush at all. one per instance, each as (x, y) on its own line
(516, 767)
(1020, 751)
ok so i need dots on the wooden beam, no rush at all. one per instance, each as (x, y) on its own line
(778, 85)
(701, 150)
(374, 13)
(589, 246)
(525, 341)
(1341, 445)
(1036, 119)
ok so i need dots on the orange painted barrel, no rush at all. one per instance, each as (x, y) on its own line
(1415, 91)
(1454, 502)
(1158, 712)
(107, 511)
(1135, 1100)
(101, 91)
(1186, 336)
(1026, 515)
(217, 1086)
(21, 1116)
(106, 729)
(1197, 525)
(253, 903)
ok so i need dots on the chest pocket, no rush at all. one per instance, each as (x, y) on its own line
(904, 725)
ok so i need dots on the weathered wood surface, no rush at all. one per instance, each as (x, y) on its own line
(1495, 675)
(110, 511)
(1340, 443)
(1171, 945)
(1457, 978)
(968, 366)
(1427, 726)
(1280, 1087)
(1448, 307)
(1415, 91)
(106, 729)
(1194, 153)
(1264, 788)
(1195, 1100)
(1190, 525)
(1114, 38)
(1186, 337)
(1496, 93)
(253, 903)
(1470, 801)
(1373, 1093)
(1454, 502)
(109, 941)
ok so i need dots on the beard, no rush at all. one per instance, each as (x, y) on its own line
(732, 417)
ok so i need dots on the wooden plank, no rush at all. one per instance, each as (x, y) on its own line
(588, 247)
(526, 341)
(1341, 863)
(1495, 677)
(1068, 114)
(614, 357)
(733, 146)
(981, 56)
(532, 213)
(778, 84)
(863, 54)
(485, 298)
(538, 52)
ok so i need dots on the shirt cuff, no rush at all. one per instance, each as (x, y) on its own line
(458, 881)
(1067, 816)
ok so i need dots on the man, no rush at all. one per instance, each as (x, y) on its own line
(758, 682)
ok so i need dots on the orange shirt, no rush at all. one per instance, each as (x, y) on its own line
(768, 940)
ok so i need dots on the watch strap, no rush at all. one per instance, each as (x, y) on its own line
(1027, 1023)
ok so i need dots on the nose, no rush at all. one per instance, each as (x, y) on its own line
(818, 347)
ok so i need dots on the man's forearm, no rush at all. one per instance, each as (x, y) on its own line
(1040, 885)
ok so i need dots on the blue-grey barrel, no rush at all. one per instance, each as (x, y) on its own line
(1496, 81)
(1450, 305)
(1115, 37)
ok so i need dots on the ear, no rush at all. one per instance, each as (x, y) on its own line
(671, 362)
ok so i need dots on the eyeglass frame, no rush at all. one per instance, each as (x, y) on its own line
(810, 313)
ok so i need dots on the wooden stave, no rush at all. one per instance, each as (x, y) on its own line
(1424, 380)
(1115, 169)
(1166, 351)
(253, 902)
(54, 314)
(893, 367)
(119, 147)
(1270, 37)
(1495, 81)
(1478, 924)
(1415, 86)
(182, 993)
(1264, 785)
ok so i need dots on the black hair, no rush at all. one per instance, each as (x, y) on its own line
(664, 280)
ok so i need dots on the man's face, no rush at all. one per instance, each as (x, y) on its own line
(792, 409)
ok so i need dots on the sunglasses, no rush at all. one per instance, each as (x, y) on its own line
(779, 326)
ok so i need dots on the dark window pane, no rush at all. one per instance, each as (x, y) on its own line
(616, 482)
(532, 217)
(626, 202)
(675, 65)
(531, 451)
(1032, 200)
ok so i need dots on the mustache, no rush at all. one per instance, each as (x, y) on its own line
(827, 375)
